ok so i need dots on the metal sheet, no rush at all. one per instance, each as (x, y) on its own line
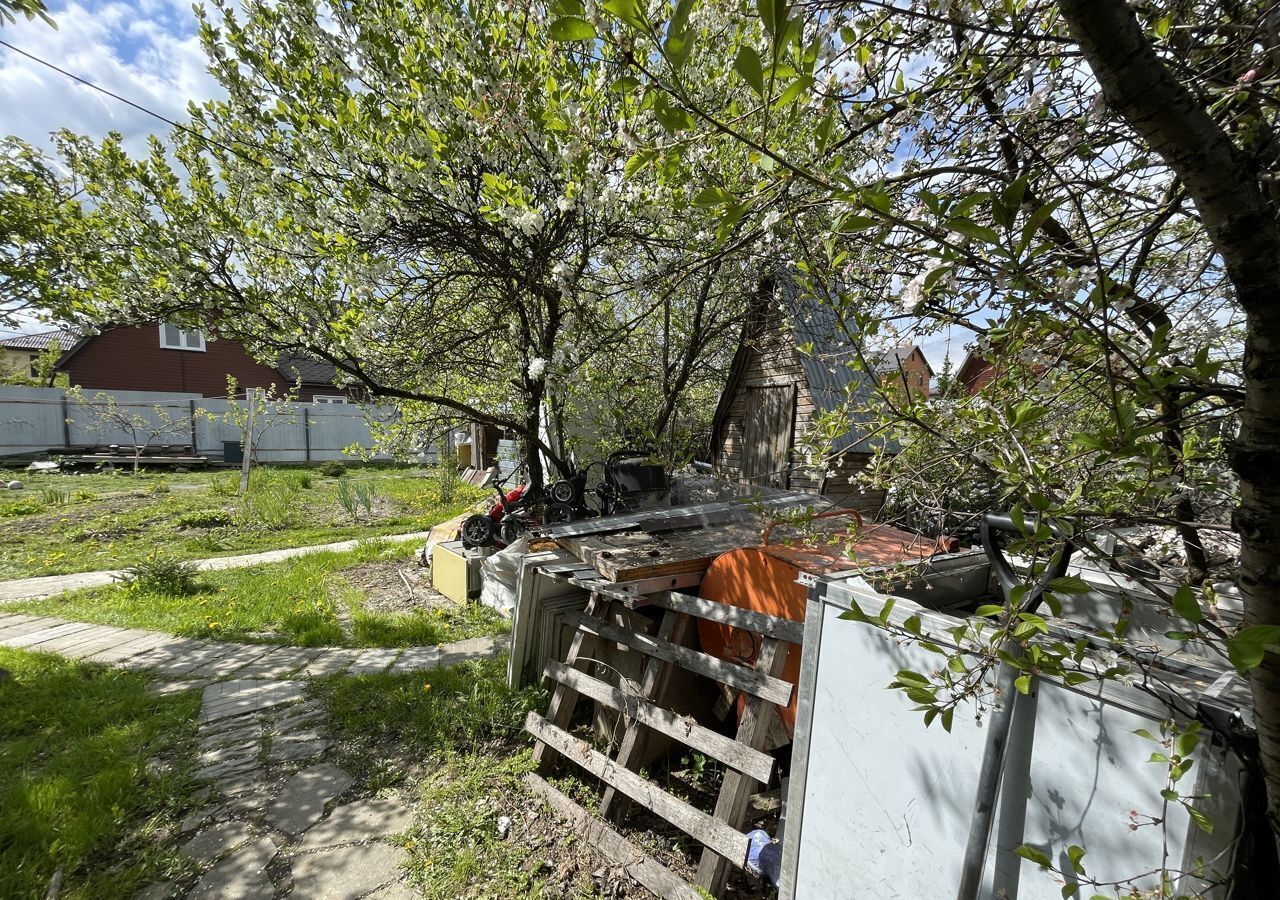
(880, 805)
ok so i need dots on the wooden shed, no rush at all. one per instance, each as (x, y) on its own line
(790, 367)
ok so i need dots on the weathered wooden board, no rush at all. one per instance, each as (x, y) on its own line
(714, 744)
(711, 832)
(632, 557)
(736, 788)
(737, 616)
(634, 861)
(741, 678)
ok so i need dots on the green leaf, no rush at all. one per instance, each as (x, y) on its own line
(883, 618)
(1203, 822)
(912, 624)
(1023, 684)
(908, 678)
(1069, 584)
(747, 64)
(854, 613)
(712, 196)
(1033, 855)
(1075, 854)
(972, 229)
(572, 28)
(638, 162)
(989, 609)
(629, 11)
(947, 715)
(1247, 648)
(850, 223)
(1186, 605)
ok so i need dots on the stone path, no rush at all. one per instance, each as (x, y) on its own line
(277, 818)
(208, 661)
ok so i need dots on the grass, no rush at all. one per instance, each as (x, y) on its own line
(463, 726)
(75, 790)
(77, 523)
(301, 601)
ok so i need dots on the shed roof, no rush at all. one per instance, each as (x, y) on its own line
(831, 380)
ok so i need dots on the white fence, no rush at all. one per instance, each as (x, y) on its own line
(38, 420)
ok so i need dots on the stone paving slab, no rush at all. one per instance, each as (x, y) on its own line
(217, 841)
(250, 696)
(241, 876)
(359, 821)
(373, 661)
(346, 873)
(302, 800)
(32, 639)
(279, 662)
(330, 662)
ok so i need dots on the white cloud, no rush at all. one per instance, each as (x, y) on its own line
(147, 52)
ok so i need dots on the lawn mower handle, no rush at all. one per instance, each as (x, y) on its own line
(992, 527)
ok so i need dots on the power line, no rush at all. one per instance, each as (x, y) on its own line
(101, 90)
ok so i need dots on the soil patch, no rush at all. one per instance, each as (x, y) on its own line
(395, 587)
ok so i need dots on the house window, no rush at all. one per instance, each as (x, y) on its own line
(174, 338)
(35, 365)
(330, 398)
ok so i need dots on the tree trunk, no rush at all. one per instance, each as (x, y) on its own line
(1242, 225)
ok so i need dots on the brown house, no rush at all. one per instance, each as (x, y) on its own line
(167, 358)
(975, 373)
(789, 369)
(906, 364)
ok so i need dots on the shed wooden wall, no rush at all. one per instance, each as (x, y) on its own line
(773, 361)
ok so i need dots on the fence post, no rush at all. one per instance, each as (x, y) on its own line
(195, 451)
(306, 433)
(66, 423)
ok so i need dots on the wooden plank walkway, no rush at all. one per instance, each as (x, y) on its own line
(177, 657)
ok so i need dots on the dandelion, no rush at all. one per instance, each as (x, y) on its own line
(426, 686)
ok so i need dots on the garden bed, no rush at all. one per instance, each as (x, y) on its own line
(60, 524)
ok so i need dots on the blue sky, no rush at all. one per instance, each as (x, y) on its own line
(148, 52)
(145, 50)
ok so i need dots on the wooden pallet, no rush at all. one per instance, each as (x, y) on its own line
(720, 832)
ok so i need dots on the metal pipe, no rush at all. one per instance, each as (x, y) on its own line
(1015, 791)
(993, 756)
(984, 804)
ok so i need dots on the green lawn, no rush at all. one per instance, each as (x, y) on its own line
(455, 736)
(79, 523)
(75, 790)
(305, 601)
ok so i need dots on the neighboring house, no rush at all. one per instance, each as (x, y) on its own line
(166, 358)
(906, 363)
(21, 353)
(776, 391)
(975, 373)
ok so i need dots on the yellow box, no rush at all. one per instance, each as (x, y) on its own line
(453, 573)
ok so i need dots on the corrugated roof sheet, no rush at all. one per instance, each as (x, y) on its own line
(832, 381)
(41, 340)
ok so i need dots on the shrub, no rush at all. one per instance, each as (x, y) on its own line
(355, 498)
(448, 479)
(204, 518)
(332, 469)
(300, 480)
(269, 506)
(159, 486)
(83, 496)
(160, 574)
(225, 485)
(25, 507)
